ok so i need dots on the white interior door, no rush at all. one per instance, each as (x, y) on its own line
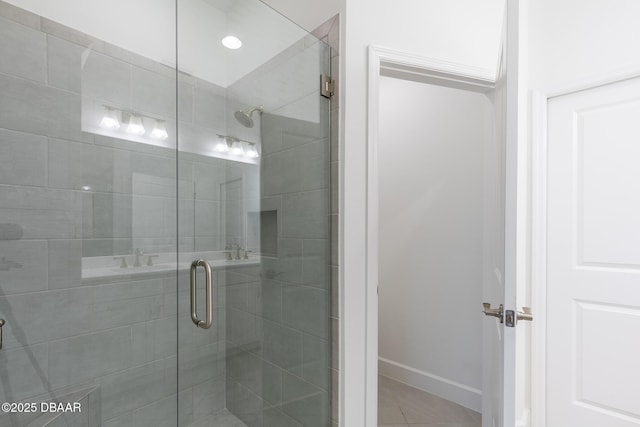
(499, 283)
(593, 262)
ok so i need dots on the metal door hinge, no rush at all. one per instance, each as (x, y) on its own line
(326, 86)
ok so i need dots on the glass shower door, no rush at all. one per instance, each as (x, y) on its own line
(88, 214)
(118, 170)
(253, 206)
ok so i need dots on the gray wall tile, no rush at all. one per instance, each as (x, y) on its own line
(64, 64)
(124, 312)
(154, 340)
(158, 414)
(65, 263)
(209, 106)
(23, 51)
(207, 218)
(23, 158)
(71, 419)
(316, 262)
(244, 404)
(272, 300)
(45, 316)
(304, 402)
(111, 216)
(185, 102)
(133, 388)
(153, 93)
(75, 165)
(315, 357)
(107, 79)
(274, 417)
(306, 309)
(32, 274)
(208, 397)
(316, 166)
(77, 359)
(304, 215)
(95, 408)
(31, 107)
(32, 365)
(282, 346)
(200, 364)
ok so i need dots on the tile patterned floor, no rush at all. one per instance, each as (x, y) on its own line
(400, 405)
(220, 419)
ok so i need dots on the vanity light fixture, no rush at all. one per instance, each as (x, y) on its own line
(159, 130)
(252, 151)
(231, 42)
(110, 119)
(232, 146)
(237, 149)
(135, 127)
(224, 143)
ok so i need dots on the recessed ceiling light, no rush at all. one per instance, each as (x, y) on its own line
(231, 42)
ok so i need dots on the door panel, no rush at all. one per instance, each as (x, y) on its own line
(593, 266)
(501, 208)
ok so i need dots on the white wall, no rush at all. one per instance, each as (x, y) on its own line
(431, 237)
(573, 41)
(463, 31)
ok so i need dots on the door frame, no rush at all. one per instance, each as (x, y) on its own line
(539, 190)
(396, 64)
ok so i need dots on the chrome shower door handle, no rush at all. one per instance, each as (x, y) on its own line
(204, 324)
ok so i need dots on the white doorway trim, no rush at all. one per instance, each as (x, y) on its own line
(392, 63)
(539, 132)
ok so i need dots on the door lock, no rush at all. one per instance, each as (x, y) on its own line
(513, 317)
(494, 312)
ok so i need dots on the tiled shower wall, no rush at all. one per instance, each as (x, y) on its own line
(278, 327)
(64, 333)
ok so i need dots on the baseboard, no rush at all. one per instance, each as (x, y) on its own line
(461, 394)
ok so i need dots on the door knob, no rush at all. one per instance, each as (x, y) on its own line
(494, 312)
(525, 314)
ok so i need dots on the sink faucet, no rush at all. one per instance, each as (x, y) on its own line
(228, 253)
(138, 254)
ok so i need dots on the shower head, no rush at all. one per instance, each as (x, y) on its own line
(245, 116)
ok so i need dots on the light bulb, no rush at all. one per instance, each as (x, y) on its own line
(159, 130)
(110, 119)
(222, 147)
(236, 149)
(231, 42)
(223, 144)
(135, 125)
(252, 151)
